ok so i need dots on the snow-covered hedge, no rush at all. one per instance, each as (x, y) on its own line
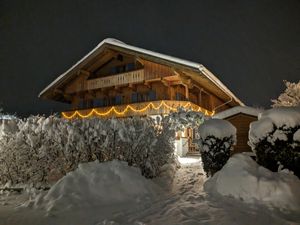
(243, 179)
(216, 139)
(275, 138)
(40, 150)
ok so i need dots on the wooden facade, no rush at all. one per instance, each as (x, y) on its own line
(242, 123)
(135, 82)
(120, 80)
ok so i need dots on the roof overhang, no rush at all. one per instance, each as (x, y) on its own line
(114, 44)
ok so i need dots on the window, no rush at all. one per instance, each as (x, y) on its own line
(118, 100)
(98, 102)
(180, 97)
(130, 67)
(152, 95)
(81, 103)
(134, 97)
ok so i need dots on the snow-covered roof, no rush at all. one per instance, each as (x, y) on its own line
(114, 42)
(236, 110)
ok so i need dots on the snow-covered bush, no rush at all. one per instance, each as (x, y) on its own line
(183, 119)
(146, 143)
(243, 179)
(275, 138)
(290, 97)
(40, 150)
(216, 139)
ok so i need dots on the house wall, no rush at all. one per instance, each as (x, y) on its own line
(242, 124)
(170, 88)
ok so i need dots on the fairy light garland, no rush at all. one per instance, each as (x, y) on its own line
(113, 110)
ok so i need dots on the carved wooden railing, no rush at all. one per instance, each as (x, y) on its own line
(116, 80)
(135, 109)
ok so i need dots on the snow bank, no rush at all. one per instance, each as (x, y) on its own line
(282, 117)
(97, 184)
(243, 178)
(217, 128)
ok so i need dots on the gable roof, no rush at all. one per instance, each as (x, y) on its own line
(147, 54)
(250, 111)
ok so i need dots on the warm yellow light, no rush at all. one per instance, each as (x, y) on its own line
(113, 110)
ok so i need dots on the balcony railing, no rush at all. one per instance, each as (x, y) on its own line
(116, 80)
(135, 109)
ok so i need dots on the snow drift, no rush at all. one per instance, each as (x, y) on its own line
(97, 184)
(243, 178)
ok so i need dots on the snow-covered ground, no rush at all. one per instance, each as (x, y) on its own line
(138, 201)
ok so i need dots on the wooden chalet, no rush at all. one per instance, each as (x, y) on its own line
(119, 80)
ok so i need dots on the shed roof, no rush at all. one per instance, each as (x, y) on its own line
(238, 109)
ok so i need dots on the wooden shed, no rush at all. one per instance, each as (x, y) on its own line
(240, 117)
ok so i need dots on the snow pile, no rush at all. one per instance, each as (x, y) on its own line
(243, 178)
(282, 117)
(98, 184)
(217, 128)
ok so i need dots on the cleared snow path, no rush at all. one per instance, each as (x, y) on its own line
(187, 204)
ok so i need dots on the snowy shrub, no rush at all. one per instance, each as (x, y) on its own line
(40, 150)
(216, 139)
(275, 138)
(185, 119)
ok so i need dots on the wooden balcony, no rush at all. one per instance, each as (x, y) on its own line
(116, 80)
(136, 109)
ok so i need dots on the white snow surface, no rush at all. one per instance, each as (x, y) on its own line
(98, 184)
(296, 136)
(284, 117)
(179, 201)
(236, 110)
(242, 178)
(217, 128)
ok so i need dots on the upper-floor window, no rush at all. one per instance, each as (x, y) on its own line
(122, 68)
(180, 97)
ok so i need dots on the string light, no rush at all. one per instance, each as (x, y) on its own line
(113, 110)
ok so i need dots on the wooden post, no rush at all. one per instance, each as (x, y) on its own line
(186, 92)
(199, 97)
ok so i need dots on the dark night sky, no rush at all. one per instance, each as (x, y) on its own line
(251, 46)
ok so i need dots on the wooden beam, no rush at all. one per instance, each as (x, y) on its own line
(140, 60)
(84, 72)
(58, 91)
(132, 86)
